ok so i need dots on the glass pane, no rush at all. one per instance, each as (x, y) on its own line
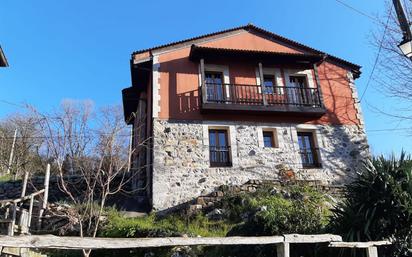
(212, 138)
(301, 144)
(219, 92)
(218, 80)
(268, 83)
(307, 142)
(267, 141)
(222, 138)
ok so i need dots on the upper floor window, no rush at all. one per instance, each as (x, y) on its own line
(298, 81)
(308, 151)
(300, 92)
(214, 85)
(268, 84)
(219, 149)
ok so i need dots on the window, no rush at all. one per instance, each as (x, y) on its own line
(298, 81)
(308, 151)
(214, 86)
(269, 138)
(219, 149)
(268, 84)
(300, 89)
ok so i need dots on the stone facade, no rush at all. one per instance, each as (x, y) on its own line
(181, 168)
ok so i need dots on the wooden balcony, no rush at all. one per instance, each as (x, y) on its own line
(238, 97)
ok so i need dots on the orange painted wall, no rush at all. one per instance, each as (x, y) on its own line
(179, 85)
(251, 41)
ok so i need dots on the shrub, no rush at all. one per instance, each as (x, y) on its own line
(378, 205)
(298, 210)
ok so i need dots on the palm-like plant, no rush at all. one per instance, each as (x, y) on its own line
(378, 204)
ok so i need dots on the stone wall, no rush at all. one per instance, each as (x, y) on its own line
(181, 169)
(209, 202)
(12, 189)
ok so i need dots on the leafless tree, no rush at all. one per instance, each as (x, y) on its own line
(393, 72)
(26, 157)
(97, 146)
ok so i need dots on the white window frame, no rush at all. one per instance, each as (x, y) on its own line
(224, 69)
(294, 72)
(274, 72)
(274, 132)
(316, 139)
(231, 141)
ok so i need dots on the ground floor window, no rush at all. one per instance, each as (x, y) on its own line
(269, 138)
(219, 149)
(308, 150)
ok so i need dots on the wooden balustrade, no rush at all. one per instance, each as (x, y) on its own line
(256, 97)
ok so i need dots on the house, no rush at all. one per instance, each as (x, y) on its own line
(3, 60)
(236, 105)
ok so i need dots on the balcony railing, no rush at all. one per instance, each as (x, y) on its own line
(274, 98)
(252, 94)
(220, 156)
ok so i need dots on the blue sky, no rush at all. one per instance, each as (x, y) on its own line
(81, 49)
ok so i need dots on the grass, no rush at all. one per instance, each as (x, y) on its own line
(174, 225)
(6, 178)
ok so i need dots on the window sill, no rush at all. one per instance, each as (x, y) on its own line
(229, 165)
(312, 167)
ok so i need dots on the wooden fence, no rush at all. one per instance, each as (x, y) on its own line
(282, 242)
(14, 208)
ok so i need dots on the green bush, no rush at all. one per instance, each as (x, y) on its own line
(378, 205)
(296, 210)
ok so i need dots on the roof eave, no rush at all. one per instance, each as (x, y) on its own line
(3, 59)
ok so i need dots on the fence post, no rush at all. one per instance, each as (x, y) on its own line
(30, 210)
(372, 251)
(282, 250)
(25, 180)
(45, 195)
(13, 220)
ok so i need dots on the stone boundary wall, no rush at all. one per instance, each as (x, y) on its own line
(12, 189)
(207, 203)
(182, 172)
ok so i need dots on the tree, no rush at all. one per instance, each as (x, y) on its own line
(378, 205)
(26, 157)
(393, 72)
(95, 147)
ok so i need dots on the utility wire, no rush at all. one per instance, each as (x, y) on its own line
(389, 129)
(11, 103)
(358, 11)
(377, 55)
(374, 19)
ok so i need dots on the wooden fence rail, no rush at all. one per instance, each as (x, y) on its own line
(282, 242)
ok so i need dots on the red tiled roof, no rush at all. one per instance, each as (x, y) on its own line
(272, 35)
(197, 51)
